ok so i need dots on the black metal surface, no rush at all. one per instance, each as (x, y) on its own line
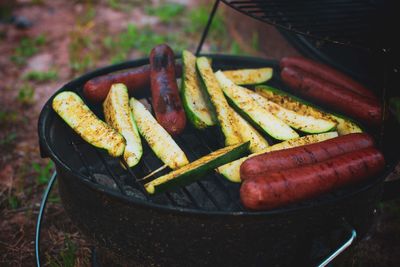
(203, 223)
(354, 23)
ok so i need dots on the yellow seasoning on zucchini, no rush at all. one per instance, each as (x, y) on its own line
(84, 122)
(245, 105)
(159, 140)
(249, 76)
(119, 116)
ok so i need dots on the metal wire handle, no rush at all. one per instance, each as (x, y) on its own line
(40, 216)
(341, 248)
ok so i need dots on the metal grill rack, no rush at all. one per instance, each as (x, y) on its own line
(213, 193)
(345, 22)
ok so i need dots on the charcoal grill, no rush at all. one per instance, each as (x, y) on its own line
(204, 224)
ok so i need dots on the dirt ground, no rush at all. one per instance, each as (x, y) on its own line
(44, 44)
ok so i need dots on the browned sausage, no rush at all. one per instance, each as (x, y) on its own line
(326, 73)
(137, 80)
(284, 187)
(164, 90)
(359, 107)
(285, 159)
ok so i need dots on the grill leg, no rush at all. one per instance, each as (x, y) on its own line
(207, 28)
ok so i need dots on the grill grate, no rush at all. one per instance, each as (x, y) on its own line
(352, 23)
(211, 193)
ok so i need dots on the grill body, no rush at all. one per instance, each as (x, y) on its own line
(199, 225)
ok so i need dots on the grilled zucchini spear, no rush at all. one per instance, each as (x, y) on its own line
(84, 122)
(249, 76)
(248, 133)
(157, 137)
(250, 109)
(119, 116)
(196, 169)
(304, 123)
(300, 106)
(195, 100)
(225, 116)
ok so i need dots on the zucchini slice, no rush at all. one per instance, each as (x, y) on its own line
(84, 122)
(346, 125)
(157, 137)
(195, 101)
(196, 169)
(249, 76)
(300, 106)
(304, 123)
(248, 133)
(224, 113)
(231, 171)
(250, 109)
(119, 116)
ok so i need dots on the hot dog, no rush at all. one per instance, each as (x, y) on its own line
(137, 79)
(164, 90)
(294, 157)
(326, 73)
(284, 187)
(361, 108)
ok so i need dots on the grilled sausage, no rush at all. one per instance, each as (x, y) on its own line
(164, 90)
(284, 187)
(137, 80)
(326, 73)
(361, 108)
(285, 159)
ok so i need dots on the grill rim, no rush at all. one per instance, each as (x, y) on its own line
(47, 115)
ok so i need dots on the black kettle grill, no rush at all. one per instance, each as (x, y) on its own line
(203, 224)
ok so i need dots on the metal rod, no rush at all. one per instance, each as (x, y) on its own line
(84, 162)
(40, 216)
(207, 28)
(153, 172)
(343, 247)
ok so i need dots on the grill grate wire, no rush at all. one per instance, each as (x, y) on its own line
(352, 23)
(201, 194)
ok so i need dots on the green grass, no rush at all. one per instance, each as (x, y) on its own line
(166, 12)
(142, 40)
(235, 49)
(26, 94)
(43, 172)
(67, 256)
(82, 52)
(9, 117)
(8, 139)
(13, 202)
(41, 76)
(26, 48)
(198, 18)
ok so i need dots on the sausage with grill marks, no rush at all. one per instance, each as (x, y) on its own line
(336, 97)
(166, 102)
(289, 186)
(327, 73)
(136, 80)
(263, 164)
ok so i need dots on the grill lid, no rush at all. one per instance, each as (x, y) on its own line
(354, 23)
